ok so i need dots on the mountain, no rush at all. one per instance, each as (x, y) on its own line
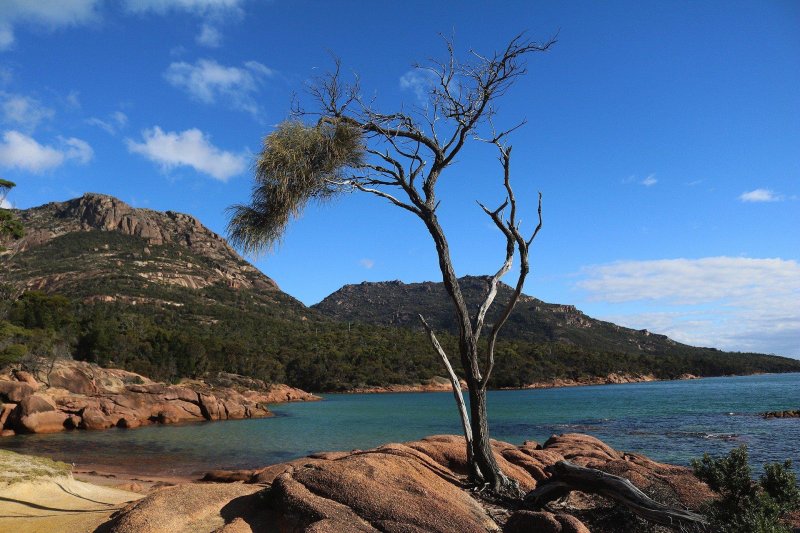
(159, 294)
(153, 292)
(398, 304)
(94, 243)
(395, 303)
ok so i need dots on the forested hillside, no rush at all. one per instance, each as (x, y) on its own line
(159, 294)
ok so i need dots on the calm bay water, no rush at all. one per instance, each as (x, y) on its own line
(669, 421)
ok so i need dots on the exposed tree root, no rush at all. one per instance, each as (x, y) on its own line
(568, 477)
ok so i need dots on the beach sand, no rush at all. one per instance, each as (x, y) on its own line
(38, 495)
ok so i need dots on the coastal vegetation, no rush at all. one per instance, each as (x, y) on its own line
(216, 329)
(10, 227)
(745, 505)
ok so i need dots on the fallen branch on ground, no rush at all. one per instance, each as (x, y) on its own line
(568, 477)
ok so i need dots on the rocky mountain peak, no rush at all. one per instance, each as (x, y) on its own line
(168, 247)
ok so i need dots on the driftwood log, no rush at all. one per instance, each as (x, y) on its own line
(567, 477)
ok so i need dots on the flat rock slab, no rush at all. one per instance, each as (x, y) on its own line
(59, 504)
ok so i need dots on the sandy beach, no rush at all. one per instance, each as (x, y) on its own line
(38, 495)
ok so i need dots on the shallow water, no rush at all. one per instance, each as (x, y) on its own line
(672, 421)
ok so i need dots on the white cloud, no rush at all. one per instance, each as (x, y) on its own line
(23, 111)
(733, 303)
(120, 118)
(209, 36)
(760, 195)
(53, 14)
(190, 148)
(198, 7)
(77, 149)
(5, 204)
(207, 81)
(115, 122)
(367, 263)
(419, 81)
(73, 99)
(48, 13)
(649, 181)
(6, 36)
(20, 151)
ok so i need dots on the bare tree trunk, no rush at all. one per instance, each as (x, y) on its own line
(484, 467)
(481, 441)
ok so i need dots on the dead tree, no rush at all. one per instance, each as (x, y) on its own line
(400, 157)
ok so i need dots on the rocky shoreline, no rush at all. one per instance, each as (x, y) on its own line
(610, 379)
(65, 395)
(441, 384)
(418, 486)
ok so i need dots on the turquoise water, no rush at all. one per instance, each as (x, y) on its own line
(669, 421)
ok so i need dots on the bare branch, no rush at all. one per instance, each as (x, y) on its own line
(388, 196)
(462, 408)
(539, 225)
(506, 266)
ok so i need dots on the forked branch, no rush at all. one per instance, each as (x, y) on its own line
(515, 243)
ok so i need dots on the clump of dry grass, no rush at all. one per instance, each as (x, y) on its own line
(16, 467)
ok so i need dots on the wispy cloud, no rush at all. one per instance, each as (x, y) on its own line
(190, 148)
(53, 14)
(20, 151)
(49, 14)
(24, 112)
(649, 181)
(112, 124)
(213, 13)
(734, 303)
(209, 36)
(367, 263)
(196, 7)
(207, 81)
(419, 81)
(760, 195)
(5, 204)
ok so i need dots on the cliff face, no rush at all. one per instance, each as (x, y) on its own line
(395, 303)
(84, 238)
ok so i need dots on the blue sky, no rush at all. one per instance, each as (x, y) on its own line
(664, 136)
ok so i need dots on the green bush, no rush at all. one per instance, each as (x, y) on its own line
(744, 505)
(12, 354)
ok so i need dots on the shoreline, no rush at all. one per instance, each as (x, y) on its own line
(423, 475)
(129, 479)
(555, 383)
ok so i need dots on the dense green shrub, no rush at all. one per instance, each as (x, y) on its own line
(12, 354)
(744, 505)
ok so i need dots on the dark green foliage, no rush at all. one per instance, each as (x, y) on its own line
(746, 506)
(37, 310)
(216, 329)
(10, 227)
(12, 353)
(297, 164)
